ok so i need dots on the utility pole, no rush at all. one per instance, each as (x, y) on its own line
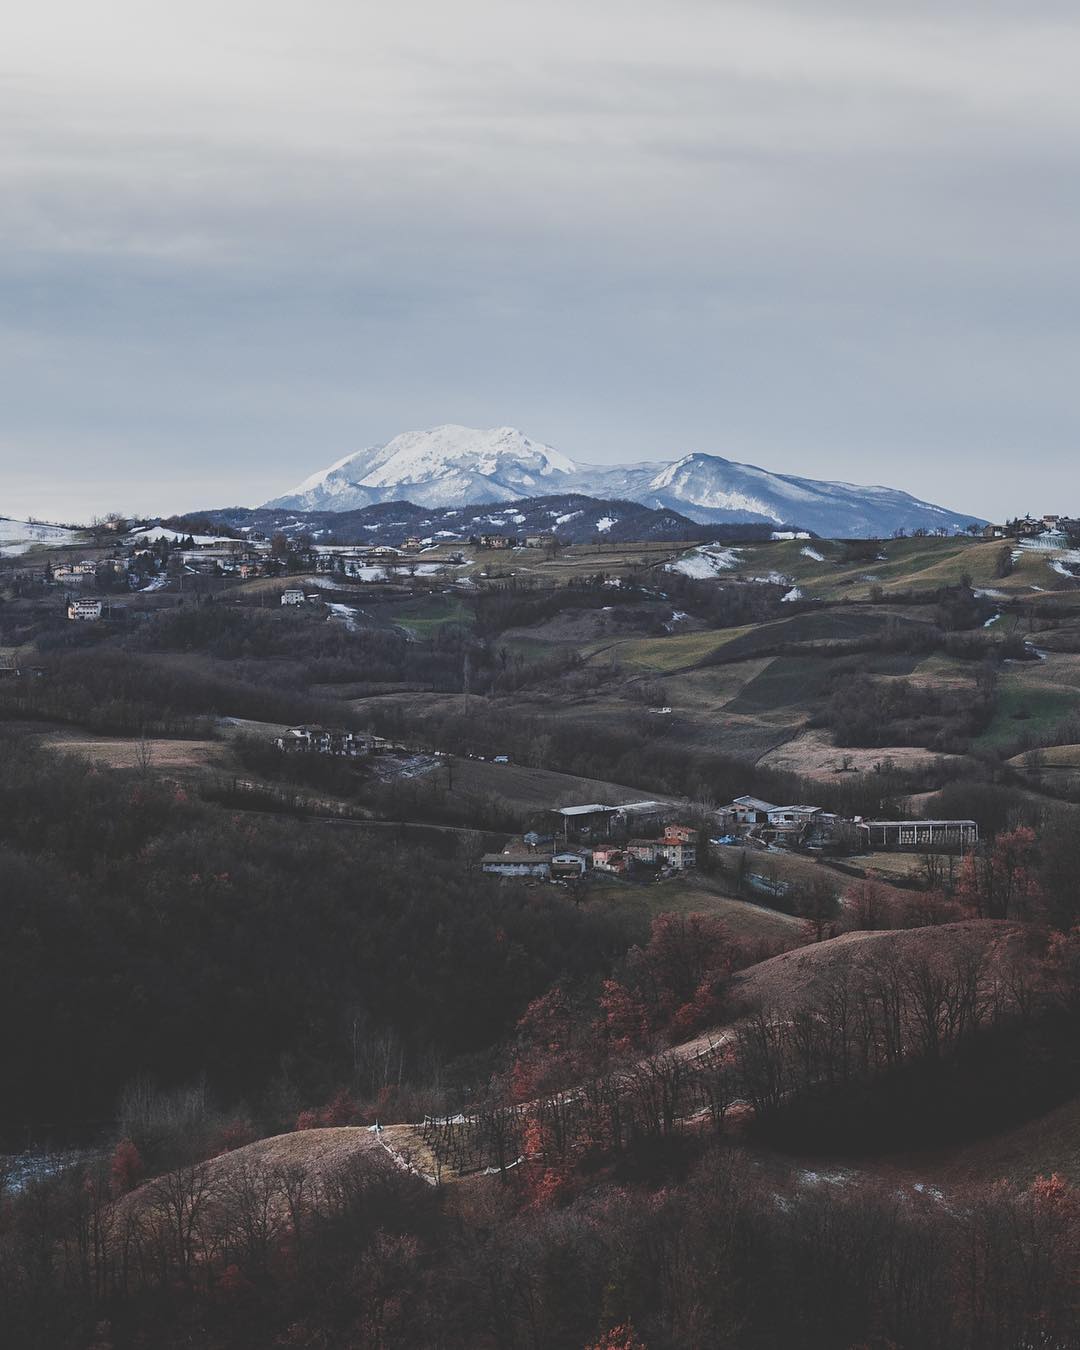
(465, 672)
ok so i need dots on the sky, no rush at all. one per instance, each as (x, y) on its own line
(242, 238)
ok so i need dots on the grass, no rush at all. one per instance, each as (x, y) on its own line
(665, 654)
(424, 616)
(1025, 709)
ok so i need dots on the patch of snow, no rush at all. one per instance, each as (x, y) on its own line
(987, 594)
(704, 563)
(992, 620)
(793, 594)
(565, 520)
(201, 540)
(812, 553)
(605, 523)
(344, 614)
(790, 534)
(774, 579)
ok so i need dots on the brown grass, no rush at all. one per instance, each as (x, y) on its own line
(115, 752)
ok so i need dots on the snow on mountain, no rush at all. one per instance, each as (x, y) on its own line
(445, 466)
(455, 465)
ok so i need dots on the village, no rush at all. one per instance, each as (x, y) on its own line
(650, 838)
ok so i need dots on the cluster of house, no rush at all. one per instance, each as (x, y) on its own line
(513, 541)
(537, 855)
(334, 741)
(607, 839)
(1046, 534)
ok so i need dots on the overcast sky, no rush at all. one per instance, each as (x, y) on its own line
(240, 238)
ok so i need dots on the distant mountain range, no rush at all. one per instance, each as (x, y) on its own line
(451, 466)
(574, 518)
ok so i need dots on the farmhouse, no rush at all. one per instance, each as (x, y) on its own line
(918, 834)
(609, 858)
(496, 541)
(84, 611)
(676, 854)
(293, 596)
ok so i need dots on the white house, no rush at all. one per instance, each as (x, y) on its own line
(292, 596)
(84, 611)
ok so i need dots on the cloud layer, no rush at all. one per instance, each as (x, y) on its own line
(240, 239)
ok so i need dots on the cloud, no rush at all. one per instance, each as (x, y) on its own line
(239, 239)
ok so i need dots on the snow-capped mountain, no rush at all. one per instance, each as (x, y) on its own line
(453, 465)
(446, 466)
(716, 491)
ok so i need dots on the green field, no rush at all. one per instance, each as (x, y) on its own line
(1025, 709)
(422, 617)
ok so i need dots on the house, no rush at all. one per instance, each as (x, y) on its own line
(585, 821)
(539, 541)
(679, 834)
(677, 854)
(84, 611)
(524, 864)
(928, 835)
(413, 544)
(643, 850)
(292, 596)
(496, 541)
(994, 531)
(609, 858)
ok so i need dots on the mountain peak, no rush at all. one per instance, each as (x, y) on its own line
(440, 466)
(451, 465)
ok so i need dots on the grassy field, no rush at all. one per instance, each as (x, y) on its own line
(1028, 705)
(423, 616)
(664, 654)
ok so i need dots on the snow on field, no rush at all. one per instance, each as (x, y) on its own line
(992, 620)
(988, 594)
(774, 579)
(346, 615)
(153, 532)
(812, 553)
(705, 562)
(565, 520)
(793, 594)
(18, 536)
(155, 584)
(790, 534)
(1062, 567)
(605, 523)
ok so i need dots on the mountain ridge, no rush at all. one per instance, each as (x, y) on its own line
(452, 465)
